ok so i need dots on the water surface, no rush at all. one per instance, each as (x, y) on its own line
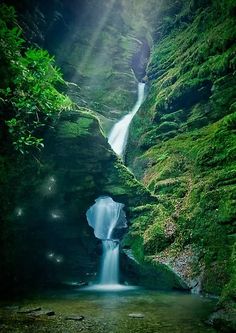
(163, 312)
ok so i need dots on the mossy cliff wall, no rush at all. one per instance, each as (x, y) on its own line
(182, 147)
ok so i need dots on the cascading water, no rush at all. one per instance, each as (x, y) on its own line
(119, 134)
(110, 263)
(107, 216)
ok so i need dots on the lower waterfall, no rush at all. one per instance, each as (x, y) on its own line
(110, 263)
(108, 219)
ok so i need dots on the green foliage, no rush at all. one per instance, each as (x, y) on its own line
(69, 129)
(28, 95)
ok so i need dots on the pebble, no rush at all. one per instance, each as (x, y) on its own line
(74, 317)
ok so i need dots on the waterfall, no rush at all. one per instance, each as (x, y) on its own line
(107, 216)
(110, 263)
(104, 217)
(119, 133)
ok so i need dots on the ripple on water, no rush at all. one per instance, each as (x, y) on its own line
(108, 287)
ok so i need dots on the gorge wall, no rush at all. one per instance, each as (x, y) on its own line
(182, 147)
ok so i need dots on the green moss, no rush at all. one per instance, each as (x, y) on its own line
(205, 207)
(136, 244)
(173, 186)
(70, 129)
(229, 291)
(154, 239)
(175, 117)
(167, 126)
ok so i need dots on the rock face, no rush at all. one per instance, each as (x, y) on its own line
(182, 147)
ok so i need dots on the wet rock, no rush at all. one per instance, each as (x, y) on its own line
(40, 313)
(36, 312)
(75, 317)
(136, 315)
(12, 308)
(223, 320)
(29, 310)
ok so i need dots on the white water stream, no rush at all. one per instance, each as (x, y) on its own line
(119, 133)
(107, 215)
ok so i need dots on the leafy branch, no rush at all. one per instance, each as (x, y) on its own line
(28, 89)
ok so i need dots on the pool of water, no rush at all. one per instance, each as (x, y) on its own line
(158, 312)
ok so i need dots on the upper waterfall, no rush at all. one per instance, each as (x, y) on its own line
(106, 216)
(119, 133)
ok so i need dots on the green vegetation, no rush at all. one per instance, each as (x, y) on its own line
(28, 90)
(69, 129)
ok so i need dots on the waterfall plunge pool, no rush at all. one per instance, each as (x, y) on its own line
(109, 288)
(136, 311)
